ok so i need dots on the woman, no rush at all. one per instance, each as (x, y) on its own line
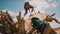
(27, 7)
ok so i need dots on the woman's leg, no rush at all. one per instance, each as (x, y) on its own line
(25, 12)
(31, 8)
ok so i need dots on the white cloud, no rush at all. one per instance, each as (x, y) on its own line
(54, 4)
(39, 4)
(42, 4)
(15, 19)
(49, 0)
(54, 25)
(10, 12)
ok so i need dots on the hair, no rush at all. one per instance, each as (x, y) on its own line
(25, 5)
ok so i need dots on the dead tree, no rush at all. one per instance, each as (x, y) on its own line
(10, 18)
(21, 24)
(11, 23)
(8, 23)
(5, 28)
(49, 18)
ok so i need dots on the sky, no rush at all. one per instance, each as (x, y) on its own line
(12, 5)
(46, 6)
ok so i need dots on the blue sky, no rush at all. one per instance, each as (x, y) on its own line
(12, 5)
(17, 5)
